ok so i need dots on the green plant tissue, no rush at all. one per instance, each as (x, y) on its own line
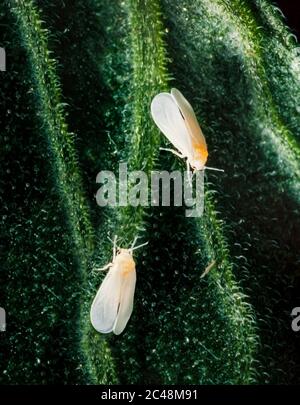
(75, 100)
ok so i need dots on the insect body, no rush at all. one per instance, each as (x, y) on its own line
(175, 117)
(113, 304)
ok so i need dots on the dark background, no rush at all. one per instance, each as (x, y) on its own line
(291, 10)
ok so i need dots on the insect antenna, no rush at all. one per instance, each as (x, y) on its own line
(213, 168)
(115, 246)
(134, 242)
(137, 247)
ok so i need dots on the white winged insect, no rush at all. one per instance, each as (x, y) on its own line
(113, 304)
(175, 117)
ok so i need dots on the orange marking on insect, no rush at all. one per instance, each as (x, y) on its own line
(128, 267)
(202, 152)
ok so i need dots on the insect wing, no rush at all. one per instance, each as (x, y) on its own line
(126, 302)
(192, 124)
(105, 306)
(170, 121)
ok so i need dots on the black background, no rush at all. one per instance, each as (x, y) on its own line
(291, 10)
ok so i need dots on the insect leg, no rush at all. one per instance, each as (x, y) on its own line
(190, 174)
(115, 247)
(173, 151)
(106, 267)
